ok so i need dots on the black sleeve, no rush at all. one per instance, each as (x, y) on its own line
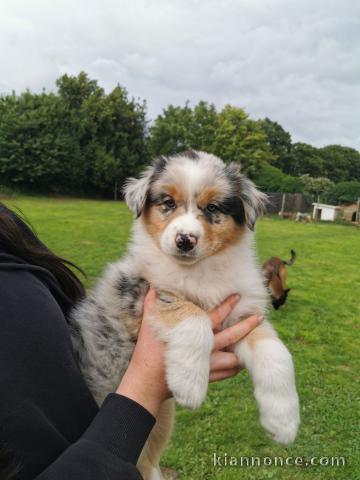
(48, 417)
(109, 448)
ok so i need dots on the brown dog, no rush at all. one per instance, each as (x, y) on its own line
(275, 273)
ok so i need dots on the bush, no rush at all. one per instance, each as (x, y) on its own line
(76, 140)
(344, 192)
(7, 192)
(272, 179)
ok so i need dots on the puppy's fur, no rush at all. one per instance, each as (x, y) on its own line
(193, 241)
(275, 275)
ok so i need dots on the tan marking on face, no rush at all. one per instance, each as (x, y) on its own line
(174, 192)
(155, 221)
(170, 309)
(219, 236)
(208, 195)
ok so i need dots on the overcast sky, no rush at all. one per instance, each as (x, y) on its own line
(295, 61)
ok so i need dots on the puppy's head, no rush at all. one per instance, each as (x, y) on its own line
(194, 205)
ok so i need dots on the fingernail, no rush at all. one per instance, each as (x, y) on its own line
(260, 318)
(236, 297)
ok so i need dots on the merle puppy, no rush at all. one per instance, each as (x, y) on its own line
(193, 241)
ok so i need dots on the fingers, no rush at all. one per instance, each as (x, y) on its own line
(233, 334)
(219, 313)
(223, 374)
(149, 301)
(223, 361)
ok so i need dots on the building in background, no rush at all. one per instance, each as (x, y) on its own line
(321, 211)
(349, 212)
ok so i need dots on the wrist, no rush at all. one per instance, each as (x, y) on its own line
(143, 389)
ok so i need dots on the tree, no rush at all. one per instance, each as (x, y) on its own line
(279, 142)
(76, 89)
(82, 140)
(316, 187)
(182, 128)
(344, 192)
(115, 132)
(205, 122)
(341, 163)
(230, 134)
(272, 179)
(79, 96)
(36, 148)
(241, 140)
(78, 140)
(305, 159)
(170, 132)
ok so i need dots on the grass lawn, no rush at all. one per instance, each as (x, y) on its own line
(318, 323)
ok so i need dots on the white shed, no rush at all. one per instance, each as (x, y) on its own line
(322, 211)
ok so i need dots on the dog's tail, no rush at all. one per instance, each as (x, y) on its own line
(292, 259)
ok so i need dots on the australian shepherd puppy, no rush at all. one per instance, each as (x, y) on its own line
(193, 241)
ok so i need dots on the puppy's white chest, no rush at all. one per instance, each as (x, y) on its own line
(207, 287)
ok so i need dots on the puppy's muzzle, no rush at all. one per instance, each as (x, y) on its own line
(185, 242)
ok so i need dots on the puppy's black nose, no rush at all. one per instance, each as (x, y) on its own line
(185, 242)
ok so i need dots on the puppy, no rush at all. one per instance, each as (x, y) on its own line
(193, 241)
(275, 274)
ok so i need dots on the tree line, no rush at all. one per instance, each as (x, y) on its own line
(80, 140)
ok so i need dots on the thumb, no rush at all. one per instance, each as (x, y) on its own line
(149, 301)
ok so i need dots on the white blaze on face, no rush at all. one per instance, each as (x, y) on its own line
(186, 224)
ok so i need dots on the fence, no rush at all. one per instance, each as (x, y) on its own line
(287, 202)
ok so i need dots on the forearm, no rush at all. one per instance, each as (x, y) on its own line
(109, 448)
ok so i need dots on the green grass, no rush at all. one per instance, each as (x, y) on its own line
(318, 323)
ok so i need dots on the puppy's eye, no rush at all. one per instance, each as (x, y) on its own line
(212, 208)
(169, 204)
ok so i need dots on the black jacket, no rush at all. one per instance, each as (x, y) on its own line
(50, 424)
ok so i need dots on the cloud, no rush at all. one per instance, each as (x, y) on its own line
(295, 62)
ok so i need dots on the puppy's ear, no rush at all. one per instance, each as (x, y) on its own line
(253, 200)
(136, 189)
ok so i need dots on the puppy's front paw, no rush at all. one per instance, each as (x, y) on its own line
(189, 387)
(274, 381)
(279, 415)
(188, 360)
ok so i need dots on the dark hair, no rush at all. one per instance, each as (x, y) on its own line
(19, 239)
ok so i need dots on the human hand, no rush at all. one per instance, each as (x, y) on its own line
(223, 363)
(144, 381)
